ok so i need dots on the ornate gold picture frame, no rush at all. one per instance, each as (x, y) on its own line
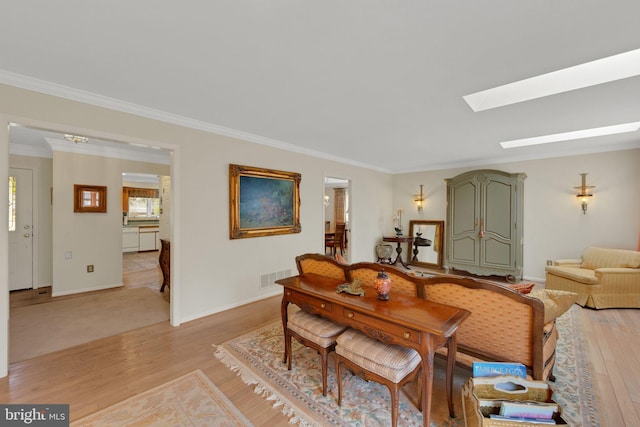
(263, 202)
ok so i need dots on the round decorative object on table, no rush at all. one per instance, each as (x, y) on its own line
(382, 285)
(399, 240)
(384, 253)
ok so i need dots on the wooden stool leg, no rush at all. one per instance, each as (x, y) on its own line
(339, 378)
(395, 395)
(324, 359)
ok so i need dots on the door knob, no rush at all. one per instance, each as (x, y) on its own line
(27, 234)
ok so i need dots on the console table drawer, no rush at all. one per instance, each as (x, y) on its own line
(383, 331)
(308, 303)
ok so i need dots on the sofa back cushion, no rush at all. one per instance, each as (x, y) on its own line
(498, 326)
(366, 273)
(594, 257)
(321, 267)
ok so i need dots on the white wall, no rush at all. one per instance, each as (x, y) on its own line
(91, 238)
(554, 225)
(210, 272)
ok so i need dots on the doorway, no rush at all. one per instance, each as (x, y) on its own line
(21, 224)
(337, 214)
(32, 148)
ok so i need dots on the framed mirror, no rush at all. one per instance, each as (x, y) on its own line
(427, 245)
(89, 198)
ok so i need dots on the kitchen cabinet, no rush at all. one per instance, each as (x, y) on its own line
(485, 223)
(149, 238)
(130, 239)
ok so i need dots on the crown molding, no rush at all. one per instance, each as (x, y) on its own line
(111, 152)
(66, 92)
(30, 151)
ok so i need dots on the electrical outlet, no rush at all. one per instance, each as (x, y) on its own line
(90, 268)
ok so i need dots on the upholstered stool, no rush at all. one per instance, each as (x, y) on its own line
(391, 365)
(315, 332)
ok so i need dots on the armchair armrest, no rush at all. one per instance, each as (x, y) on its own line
(568, 262)
(615, 277)
(611, 271)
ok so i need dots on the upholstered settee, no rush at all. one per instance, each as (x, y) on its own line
(602, 278)
(505, 325)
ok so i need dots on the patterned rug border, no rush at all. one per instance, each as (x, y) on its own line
(589, 394)
(249, 377)
(230, 411)
(574, 356)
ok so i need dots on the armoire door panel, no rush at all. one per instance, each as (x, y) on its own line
(465, 250)
(465, 201)
(498, 212)
(497, 253)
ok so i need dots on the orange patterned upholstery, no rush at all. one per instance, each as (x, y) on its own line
(497, 323)
(321, 265)
(504, 325)
(400, 282)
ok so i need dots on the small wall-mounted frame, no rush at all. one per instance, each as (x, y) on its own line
(263, 202)
(89, 198)
(426, 248)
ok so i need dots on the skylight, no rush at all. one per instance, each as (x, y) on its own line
(577, 134)
(592, 73)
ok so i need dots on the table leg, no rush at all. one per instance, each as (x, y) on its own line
(427, 386)
(399, 257)
(285, 317)
(452, 347)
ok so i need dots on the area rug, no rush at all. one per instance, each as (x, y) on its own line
(257, 358)
(43, 328)
(191, 400)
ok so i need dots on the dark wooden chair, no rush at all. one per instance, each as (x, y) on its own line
(337, 240)
(165, 261)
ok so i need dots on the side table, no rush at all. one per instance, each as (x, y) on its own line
(399, 240)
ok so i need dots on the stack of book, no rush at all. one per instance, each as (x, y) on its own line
(499, 394)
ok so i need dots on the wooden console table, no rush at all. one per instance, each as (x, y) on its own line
(404, 320)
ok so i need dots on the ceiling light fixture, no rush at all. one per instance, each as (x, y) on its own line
(76, 138)
(576, 134)
(592, 73)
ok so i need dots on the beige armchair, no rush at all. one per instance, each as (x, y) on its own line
(603, 278)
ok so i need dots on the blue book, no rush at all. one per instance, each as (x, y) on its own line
(492, 369)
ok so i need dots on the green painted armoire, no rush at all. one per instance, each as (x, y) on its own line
(484, 223)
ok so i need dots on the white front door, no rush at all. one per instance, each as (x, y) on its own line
(20, 229)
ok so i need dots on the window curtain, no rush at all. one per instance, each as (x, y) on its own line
(150, 193)
(339, 205)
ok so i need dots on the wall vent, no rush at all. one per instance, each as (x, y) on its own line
(268, 280)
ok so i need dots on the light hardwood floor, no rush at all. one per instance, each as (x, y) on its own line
(96, 375)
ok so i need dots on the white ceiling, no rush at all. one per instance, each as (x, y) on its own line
(377, 83)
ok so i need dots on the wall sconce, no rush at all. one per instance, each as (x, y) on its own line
(420, 200)
(326, 201)
(584, 192)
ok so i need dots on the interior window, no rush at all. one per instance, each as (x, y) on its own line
(144, 207)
